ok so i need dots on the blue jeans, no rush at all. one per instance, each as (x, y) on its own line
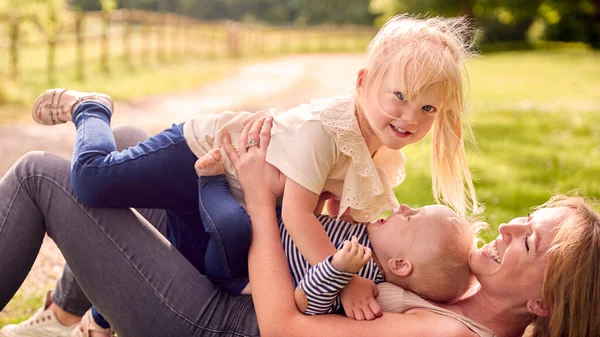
(229, 227)
(156, 173)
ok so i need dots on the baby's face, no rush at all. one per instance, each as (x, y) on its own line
(409, 229)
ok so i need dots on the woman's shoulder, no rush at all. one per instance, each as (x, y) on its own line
(393, 298)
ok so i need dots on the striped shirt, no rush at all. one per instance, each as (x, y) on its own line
(322, 282)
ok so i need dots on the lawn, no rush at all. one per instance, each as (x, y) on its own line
(536, 120)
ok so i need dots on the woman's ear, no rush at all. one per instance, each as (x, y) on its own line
(400, 267)
(361, 78)
(537, 308)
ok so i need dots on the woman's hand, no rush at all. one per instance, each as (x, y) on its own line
(261, 182)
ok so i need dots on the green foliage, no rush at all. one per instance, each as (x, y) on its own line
(572, 20)
(275, 11)
(510, 20)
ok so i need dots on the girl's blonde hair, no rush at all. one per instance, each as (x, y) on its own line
(571, 284)
(428, 53)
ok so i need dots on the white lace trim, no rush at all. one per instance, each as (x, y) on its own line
(368, 185)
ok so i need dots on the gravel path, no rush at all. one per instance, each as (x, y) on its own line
(281, 83)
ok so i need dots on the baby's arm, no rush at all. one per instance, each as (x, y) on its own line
(317, 291)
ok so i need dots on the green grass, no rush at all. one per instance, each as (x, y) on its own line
(536, 120)
(21, 307)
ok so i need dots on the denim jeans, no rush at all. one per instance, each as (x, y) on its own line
(157, 173)
(134, 276)
(229, 227)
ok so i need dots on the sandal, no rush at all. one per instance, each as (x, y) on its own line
(55, 106)
(88, 325)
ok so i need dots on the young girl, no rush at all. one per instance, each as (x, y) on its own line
(347, 145)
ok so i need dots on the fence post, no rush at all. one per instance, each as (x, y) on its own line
(80, 71)
(162, 38)
(15, 34)
(126, 22)
(233, 39)
(105, 43)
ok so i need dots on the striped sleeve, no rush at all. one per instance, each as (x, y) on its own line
(321, 286)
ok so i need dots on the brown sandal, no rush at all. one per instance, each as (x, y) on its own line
(56, 106)
(87, 325)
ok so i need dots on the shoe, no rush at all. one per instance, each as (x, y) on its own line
(88, 324)
(56, 106)
(42, 324)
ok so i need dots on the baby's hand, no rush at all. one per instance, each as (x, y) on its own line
(351, 257)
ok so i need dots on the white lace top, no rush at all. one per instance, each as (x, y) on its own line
(319, 146)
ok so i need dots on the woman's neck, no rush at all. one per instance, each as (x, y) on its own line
(371, 139)
(501, 315)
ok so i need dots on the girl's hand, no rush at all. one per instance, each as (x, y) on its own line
(358, 299)
(261, 182)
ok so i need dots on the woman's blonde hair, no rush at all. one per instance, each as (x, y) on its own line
(427, 53)
(571, 284)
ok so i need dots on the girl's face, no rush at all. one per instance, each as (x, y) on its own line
(514, 263)
(394, 120)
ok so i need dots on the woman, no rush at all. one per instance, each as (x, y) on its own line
(154, 291)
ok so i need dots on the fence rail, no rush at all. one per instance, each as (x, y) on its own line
(136, 38)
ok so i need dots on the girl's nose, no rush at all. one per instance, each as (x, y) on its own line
(410, 115)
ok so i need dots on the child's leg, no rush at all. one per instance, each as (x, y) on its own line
(228, 225)
(157, 173)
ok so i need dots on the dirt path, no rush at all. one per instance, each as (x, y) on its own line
(281, 83)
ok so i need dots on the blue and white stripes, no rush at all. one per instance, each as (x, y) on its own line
(324, 277)
(321, 286)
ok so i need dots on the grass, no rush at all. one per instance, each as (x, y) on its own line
(536, 119)
(21, 307)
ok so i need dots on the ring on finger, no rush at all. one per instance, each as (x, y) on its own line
(251, 144)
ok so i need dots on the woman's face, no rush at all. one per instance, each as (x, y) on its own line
(513, 264)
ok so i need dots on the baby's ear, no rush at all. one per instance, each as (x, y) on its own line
(400, 266)
(361, 79)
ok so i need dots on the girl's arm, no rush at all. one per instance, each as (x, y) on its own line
(302, 225)
(358, 297)
(272, 286)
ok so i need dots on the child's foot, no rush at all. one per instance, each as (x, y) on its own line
(210, 164)
(56, 106)
(351, 257)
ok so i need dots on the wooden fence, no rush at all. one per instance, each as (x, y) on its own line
(85, 43)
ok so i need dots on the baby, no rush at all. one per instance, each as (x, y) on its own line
(424, 250)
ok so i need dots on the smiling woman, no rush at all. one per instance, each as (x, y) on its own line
(551, 262)
(571, 283)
